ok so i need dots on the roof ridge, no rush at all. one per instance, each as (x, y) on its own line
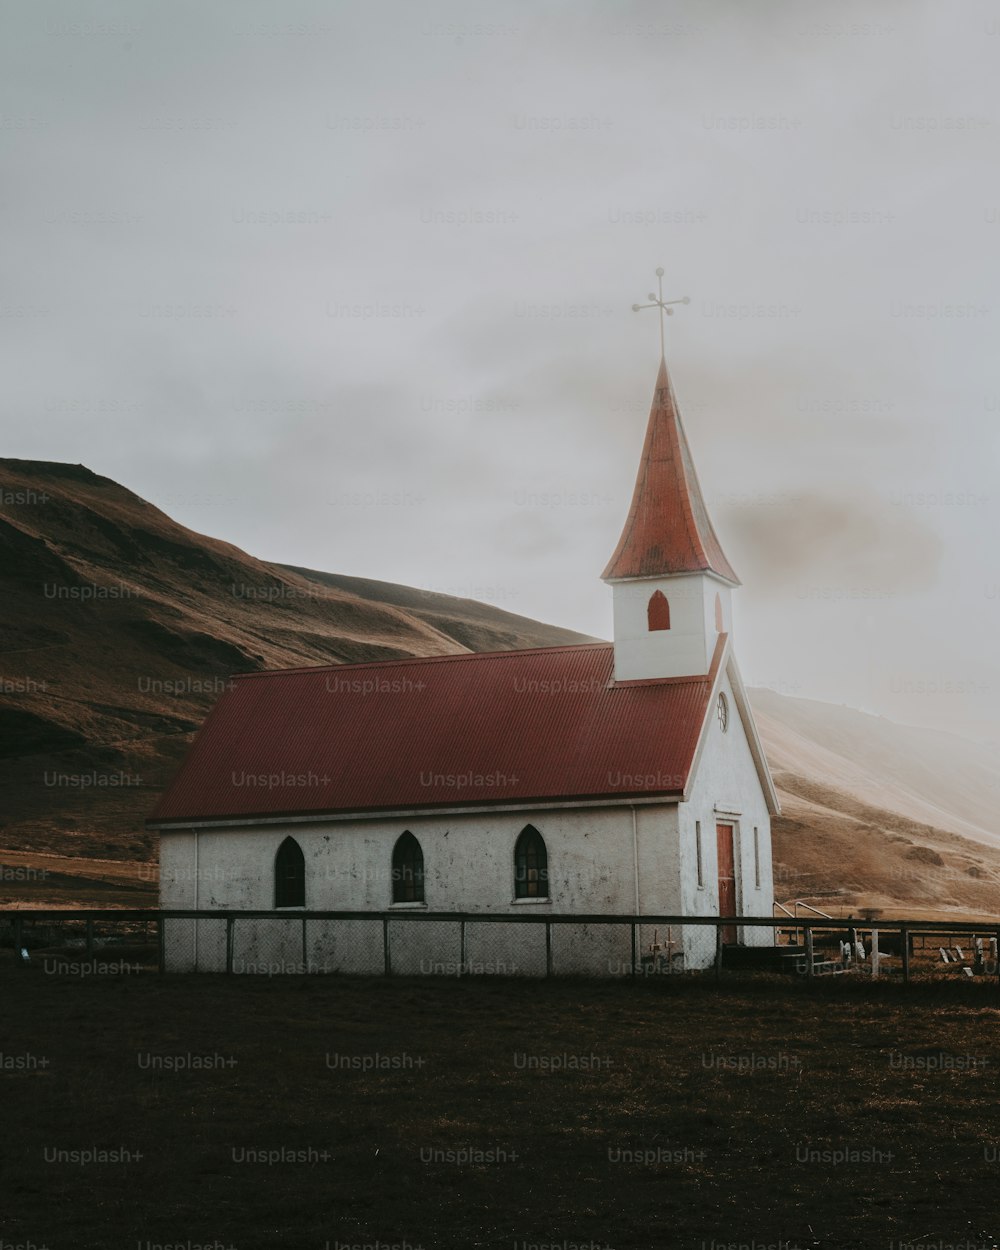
(424, 659)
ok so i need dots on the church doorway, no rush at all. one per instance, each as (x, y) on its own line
(727, 879)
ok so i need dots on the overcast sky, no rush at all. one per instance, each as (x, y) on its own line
(350, 286)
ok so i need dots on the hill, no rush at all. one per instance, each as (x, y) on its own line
(119, 628)
(877, 814)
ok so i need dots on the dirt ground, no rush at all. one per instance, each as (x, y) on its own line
(333, 1112)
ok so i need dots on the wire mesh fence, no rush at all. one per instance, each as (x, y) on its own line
(400, 945)
(82, 943)
(417, 943)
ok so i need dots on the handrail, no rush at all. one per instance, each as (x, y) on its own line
(797, 903)
(809, 907)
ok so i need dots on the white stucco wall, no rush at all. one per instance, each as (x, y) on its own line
(468, 866)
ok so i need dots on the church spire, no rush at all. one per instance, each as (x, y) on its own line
(668, 530)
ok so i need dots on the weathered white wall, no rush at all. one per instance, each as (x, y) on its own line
(726, 790)
(683, 650)
(468, 866)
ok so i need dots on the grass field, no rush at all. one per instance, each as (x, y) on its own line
(497, 1113)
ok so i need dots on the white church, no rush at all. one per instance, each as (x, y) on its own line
(622, 778)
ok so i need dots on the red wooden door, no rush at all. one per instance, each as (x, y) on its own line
(727, 879)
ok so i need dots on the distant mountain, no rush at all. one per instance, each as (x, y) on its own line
(876, 814)
(119, 627)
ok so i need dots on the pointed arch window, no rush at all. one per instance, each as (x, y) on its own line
(289, 875)
(407, 870)
(658, 611)
(531, 865)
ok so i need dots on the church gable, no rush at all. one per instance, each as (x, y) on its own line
(729, 713)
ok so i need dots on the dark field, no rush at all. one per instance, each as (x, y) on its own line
(497, 1112)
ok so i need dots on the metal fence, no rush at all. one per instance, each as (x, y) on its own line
(83, 943)
(418, 943)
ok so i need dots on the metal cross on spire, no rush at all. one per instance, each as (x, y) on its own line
(662, 304)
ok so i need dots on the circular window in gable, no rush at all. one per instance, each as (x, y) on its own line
(722, 711)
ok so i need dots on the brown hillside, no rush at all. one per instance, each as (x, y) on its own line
(880, 815)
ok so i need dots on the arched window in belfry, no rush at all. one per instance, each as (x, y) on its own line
(289, 875)
(718, 615)
(658, 611)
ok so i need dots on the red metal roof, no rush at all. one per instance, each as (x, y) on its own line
(668, 529)
(505, 727)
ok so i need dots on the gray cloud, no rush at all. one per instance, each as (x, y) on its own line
(784, 540)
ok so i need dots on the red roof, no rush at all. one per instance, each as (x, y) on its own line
(668, 528)
(465, 730)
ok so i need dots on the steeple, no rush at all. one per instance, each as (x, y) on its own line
(668, 530)
(670, 578)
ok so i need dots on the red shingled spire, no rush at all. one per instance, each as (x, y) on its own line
(668, 528)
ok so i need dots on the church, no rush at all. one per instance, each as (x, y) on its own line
(623, 778)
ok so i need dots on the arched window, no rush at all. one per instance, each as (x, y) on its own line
(658, 611)
(407, 870)
(531, 865)
(289, 875)
(718, 615)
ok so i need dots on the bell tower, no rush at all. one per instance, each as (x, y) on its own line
(671, 581)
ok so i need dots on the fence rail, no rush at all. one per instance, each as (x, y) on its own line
(386, 943)
(149, 914)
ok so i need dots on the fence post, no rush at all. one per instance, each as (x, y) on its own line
(461, 946)
(230, 926)
(633, 948)
(718, 951)
(385, 946)
(810, 968)
(548, 948)
(904, 942)
(875, 953)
